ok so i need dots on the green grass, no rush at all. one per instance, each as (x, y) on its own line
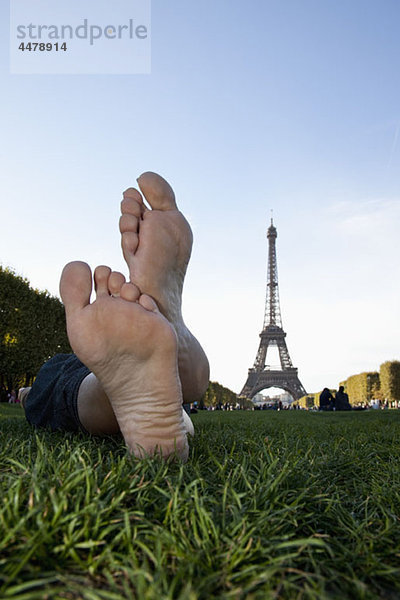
(270, 505)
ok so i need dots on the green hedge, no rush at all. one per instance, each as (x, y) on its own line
(32, 329)
(390, 380)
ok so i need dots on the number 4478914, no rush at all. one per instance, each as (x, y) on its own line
(42, 47)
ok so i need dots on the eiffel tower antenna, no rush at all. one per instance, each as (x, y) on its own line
(260, 376)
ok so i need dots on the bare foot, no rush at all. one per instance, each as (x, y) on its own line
(157, 245)
(132, 350)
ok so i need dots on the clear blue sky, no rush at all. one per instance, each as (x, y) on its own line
(250, 106)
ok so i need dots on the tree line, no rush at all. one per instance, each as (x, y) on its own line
(32, 330)
(217, 395)
(364, 387)
(383, 385)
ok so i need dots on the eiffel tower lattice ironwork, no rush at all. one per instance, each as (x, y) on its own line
(261, 376)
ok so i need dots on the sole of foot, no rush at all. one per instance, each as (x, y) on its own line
(157, 244)
(132, 349)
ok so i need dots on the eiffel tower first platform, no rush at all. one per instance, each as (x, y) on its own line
(261, 376)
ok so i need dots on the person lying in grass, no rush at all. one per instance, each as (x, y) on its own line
(135, 361)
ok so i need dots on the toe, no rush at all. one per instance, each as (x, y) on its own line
(157, 191)
(128, 222)
(129, 227)
(130, 292)
(129, 243)
(101, 276)
(76, 285)
(133, 194)
(131, 206)
(148, 303)
(115, 283)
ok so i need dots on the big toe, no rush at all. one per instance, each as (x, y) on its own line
(158, 193)
(76, 285)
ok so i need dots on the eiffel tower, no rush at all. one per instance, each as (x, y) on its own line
(261, 376)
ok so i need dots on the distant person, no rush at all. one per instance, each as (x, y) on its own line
(342, 400)
(135, 361)
(326, 400)
(12, 397)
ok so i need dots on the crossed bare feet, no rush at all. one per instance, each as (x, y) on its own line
(144, 360)
(132, 349)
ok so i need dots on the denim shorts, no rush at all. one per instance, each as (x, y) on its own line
(53, 399)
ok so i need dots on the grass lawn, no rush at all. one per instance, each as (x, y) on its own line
(270, 505)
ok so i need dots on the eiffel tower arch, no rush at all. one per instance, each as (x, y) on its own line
(261, 376)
